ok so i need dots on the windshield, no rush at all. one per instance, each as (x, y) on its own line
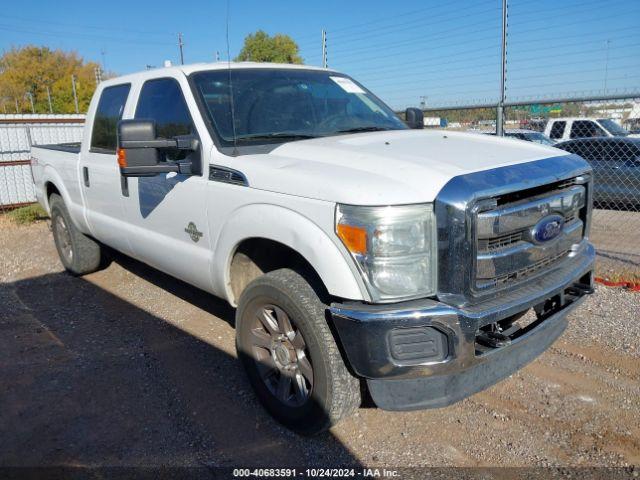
(612, 127)
(538, 137)
(276, 105)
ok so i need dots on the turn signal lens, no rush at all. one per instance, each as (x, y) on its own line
(122, 157)
(354, 238)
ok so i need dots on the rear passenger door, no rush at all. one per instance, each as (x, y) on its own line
(99, 171)
(166, 213)
(586, 129)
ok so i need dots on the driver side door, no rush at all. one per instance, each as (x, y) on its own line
(166, 212)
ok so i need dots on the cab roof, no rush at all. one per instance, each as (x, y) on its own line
(200, 67)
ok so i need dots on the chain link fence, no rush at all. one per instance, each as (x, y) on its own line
(17, 134)
(606, 133)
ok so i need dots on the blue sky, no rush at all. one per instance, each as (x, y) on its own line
(448, 52)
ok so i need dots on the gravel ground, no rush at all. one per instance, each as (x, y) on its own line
(129, 367)
(615, 235)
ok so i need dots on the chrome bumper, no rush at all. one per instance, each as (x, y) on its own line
(424, 354)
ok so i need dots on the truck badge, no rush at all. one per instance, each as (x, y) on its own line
(193, 232)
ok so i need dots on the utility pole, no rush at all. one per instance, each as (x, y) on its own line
(17, 109)
(49, 98)
(324, 48)
(75, 94)
(103, 54)
(30, 95)
(180, 45)
(98, 73)
(503, 74)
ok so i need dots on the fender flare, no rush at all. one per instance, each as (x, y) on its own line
(280, 224)
(50, 175)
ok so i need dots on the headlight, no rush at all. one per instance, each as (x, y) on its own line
(394, 248)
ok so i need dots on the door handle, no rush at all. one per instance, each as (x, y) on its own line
(85, 176)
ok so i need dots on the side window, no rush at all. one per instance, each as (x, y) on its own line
(557, 130)
(162, 100)
(586, 129)
(108, 114)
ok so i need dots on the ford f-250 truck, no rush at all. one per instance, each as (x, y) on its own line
(362, 255)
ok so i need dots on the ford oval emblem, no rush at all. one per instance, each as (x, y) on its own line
(548, 228)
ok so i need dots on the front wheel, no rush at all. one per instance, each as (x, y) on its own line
(290, 355)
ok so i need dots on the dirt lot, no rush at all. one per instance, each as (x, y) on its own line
(615, 234)
(130, 367)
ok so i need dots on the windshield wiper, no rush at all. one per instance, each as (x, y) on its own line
(276, 135)
(364, 129)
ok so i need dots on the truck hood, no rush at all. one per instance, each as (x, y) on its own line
(382, 168)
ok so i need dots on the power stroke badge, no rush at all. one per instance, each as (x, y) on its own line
(193, 232)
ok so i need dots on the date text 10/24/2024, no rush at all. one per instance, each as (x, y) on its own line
(315, 473)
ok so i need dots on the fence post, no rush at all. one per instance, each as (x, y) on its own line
(503, 74)
(29, 139)
(324, 48)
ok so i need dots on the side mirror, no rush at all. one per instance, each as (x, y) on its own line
(141, 153)
(414, 118)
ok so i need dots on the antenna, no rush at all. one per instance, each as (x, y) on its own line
(233, 113)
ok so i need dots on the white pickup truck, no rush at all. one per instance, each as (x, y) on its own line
(562, 129)
(362, 255)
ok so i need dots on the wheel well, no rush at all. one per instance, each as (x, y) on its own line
(50, 189)
(257, 256)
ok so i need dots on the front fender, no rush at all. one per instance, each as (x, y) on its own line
(296, 231)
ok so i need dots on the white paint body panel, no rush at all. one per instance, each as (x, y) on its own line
(291, 198)
(382, 168)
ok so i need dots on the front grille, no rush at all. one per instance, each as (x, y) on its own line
(512, 238)
(525, 271)
(506, 252)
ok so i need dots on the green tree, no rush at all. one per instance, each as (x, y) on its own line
(260, 47)
(31, 69)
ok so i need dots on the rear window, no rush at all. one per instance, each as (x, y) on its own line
(557, 130)
(108, 114)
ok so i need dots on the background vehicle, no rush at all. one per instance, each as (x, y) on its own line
(560, 129)
(528, 135)
(616, 167)
(358, 252)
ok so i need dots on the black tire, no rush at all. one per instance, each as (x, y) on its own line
(333, 393)
(78, 253)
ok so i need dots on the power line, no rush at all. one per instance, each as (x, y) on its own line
(403, 26)
(110, 28)
(447, 6)
(79, 35)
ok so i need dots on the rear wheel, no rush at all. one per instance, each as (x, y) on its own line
(290, 355)
(78, 253)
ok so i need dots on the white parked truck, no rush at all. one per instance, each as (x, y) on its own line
(360, 254)
(561, 129)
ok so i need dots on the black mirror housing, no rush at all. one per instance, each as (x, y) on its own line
(414, 118)
(131, 133)
(140, 151)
